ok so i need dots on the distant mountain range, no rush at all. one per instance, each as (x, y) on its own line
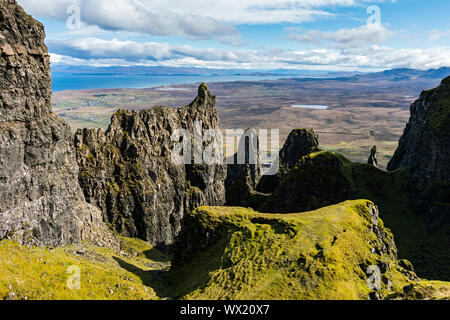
(143, 70)
(392, 75)
(406, 74)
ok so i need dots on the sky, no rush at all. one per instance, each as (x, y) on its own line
(332, 35)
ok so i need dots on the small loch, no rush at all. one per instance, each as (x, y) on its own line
(310, 106)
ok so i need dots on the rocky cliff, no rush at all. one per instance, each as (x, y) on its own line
(425, 149)
(40, 198)
(244, 172)
(317, 180)
(299, 143)
(129, 174)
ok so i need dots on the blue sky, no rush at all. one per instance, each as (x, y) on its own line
(341, 35)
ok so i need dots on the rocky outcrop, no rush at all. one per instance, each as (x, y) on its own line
(128, 171)
(317, 180)
(425, 149)
(244, 171)
(300, 143)
(40, 199)
(338, 252)
(373, 157)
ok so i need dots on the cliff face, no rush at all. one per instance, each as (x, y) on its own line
(243, 175)
(425, 149)
(317, 180)
(300, 143)
(128, 173)
(40, 198)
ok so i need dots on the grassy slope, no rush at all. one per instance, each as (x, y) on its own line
(429, 252)
(321, 254)
(243, 255)
(36, 273)
(319, 177)
(237, 253)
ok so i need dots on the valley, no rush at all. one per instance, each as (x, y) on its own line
(364, 110)
(131, 213)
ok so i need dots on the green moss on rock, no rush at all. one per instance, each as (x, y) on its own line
(29, 273)
(317, 180)
(236, 253)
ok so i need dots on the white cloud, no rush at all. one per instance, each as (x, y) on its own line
(435, 35)
(256, 11)
(93, 51)
(131, 15)
(95, 48)
(194, 19)
(345, 38)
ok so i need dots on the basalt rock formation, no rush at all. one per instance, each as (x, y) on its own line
(317, 180)
(41, 201)
(373, 157)
(244, 171)
(300, 143)
(425, 149)
(245, 184)
(128, 171)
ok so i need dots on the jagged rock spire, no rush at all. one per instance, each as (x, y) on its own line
(373, 157)
(127, 171)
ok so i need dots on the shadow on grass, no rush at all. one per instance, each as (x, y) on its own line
(155, 254)
(158, 280)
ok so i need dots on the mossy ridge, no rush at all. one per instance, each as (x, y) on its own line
(425, 290)
(38, 273)
(428, 251)
(440, 106)
(314, 255)
(319, 179)
(323, 172)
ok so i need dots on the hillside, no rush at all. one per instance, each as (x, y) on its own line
(323, 178)
(32, 273)
(231, 253)
(238, 253)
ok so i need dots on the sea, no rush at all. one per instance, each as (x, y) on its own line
(65, 81)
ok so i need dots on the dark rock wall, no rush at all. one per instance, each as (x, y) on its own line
(244, 172)
(425, 149)
(128, 173)
(300, 143)
(40, 198)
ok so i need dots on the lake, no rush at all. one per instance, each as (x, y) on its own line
(64, 81)
(310, 106)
